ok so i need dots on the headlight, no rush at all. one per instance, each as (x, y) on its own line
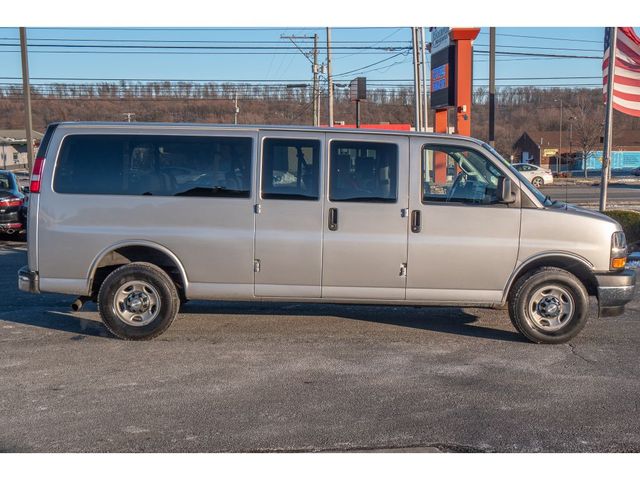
(618, 251)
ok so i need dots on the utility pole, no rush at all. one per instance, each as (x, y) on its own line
(425, 99)
(316, 97)
(608, 119)
(559, 141)
(313, 58)
(129, 116)
(492, 86)
(329, 79)
(236, 110)
(416, 79)
(26, 93)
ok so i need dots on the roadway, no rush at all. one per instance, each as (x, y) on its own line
(589, 194)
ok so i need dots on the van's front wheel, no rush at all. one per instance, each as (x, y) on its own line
(138, 301)
(549, 305)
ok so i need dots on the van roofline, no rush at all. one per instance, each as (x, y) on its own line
(255, 127)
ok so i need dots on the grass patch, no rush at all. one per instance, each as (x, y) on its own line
(630, 222)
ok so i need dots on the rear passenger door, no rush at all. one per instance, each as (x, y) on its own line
(365, 224)
(288, 240)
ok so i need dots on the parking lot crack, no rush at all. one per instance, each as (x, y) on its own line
(574, 351)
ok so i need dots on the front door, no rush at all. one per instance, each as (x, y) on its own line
(288, 241)
(463, 243)
(365, 223)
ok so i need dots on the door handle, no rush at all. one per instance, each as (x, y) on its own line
(416, 221)
(333, 219)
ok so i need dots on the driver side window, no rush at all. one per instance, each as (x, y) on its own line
(453, 174)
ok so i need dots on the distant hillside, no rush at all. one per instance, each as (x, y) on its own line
(519, 109)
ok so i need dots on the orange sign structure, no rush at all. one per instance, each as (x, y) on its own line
(463, 83)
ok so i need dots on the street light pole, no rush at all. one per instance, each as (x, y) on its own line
(26, 93)
(329, 78)
(425, 98)
(416, 79)
(560, 140)
(492, 86)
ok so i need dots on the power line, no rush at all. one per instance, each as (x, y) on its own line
(266, 81)
(541, 55)
(370, 65)
(567, 49)
(245, 44)
(239, 42)
(193, 47)
(92, 52)
(545, 38)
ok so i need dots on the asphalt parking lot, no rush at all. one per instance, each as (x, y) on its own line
(295, 377)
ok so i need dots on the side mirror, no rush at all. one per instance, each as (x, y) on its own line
(505, 191)
(25, 189)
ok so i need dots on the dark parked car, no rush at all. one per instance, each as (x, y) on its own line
(12, 204)
(636, 171)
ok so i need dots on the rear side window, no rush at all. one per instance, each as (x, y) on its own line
(363, 172)
(290, 169)
(159, 165)
(44, 144)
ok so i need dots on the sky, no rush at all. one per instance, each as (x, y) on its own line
(377, 53)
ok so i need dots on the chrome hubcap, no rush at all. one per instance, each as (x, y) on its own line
(137, 303)
(551, 307)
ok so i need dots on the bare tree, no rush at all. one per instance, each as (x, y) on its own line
(586, 114)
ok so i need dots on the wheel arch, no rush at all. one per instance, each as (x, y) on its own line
(130, 251)
(575, 264)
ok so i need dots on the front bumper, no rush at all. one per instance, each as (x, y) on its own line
(28, 281)
(615, 290)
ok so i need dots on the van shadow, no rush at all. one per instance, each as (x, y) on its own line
(61, 321)
(453, 320)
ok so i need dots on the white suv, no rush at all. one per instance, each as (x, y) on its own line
(536, 175)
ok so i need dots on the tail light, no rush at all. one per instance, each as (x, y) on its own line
(38, 166)
(11, 202)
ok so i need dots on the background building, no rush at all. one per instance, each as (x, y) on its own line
(13, 148)
(544, 148)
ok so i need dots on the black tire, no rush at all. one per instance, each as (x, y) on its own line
(521, 297)
(538, 180)
(154, 276)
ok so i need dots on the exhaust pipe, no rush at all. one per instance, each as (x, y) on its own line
(10, 231)
(78, 303)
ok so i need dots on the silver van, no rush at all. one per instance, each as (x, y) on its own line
(143, 217)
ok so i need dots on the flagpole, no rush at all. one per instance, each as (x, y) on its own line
(608, 121)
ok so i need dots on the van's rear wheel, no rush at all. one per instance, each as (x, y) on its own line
(549, 305)
(138, 301)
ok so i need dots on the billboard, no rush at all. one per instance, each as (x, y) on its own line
(358, 89)
(443, 75)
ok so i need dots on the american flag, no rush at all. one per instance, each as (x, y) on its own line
(626, 81)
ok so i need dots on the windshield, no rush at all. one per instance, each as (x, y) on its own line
(542, 198)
